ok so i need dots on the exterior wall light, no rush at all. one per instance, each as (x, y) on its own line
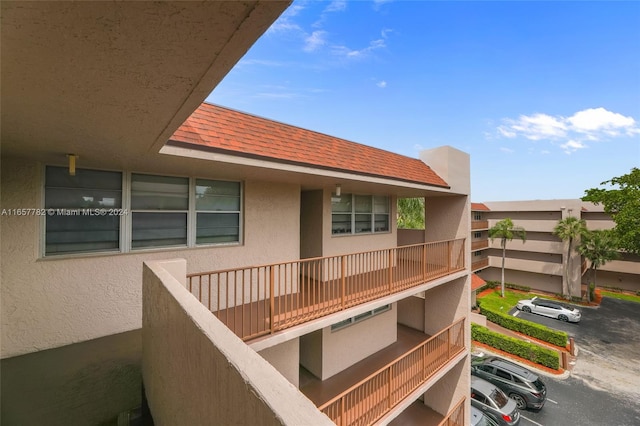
(72, 164)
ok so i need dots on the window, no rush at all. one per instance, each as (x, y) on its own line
(477, 216)
(360, 317)
(70, 226)
(359, 214)
(477, 234)
(217, 211)
(503, 374)
(159, 206)
(142, 211)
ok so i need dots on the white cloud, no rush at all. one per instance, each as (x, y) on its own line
(572, 146)
(381, 84)
(507, 150)
(336, 6)
(599, 119)
(569, 133)
(315, 40)
(345, 51)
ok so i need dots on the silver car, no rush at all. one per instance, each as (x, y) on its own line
(479, 419)
(549, 308)
(487, 398)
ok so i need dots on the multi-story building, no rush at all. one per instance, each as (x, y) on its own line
(540, 261)
(231, 269)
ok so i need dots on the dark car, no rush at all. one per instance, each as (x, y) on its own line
(517, 382)
(478, 418)
(487, 398)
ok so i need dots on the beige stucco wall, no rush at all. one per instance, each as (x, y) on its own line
(188, 354)
(537, 281)
(285, 357)
(343, 348)
(411, 312)
(52, 302)
(450, 389)
(335, 245)
(447, 303)
(311, 228)
(311, 352)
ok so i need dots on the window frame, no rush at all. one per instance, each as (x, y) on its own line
(125, 244)
(347, 322)
(354, 213)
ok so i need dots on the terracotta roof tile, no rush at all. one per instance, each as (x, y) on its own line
(220, 129)
(479, 206)
(476, 282)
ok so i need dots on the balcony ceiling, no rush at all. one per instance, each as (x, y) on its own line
(111, 81)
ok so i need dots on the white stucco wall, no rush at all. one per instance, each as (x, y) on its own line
(52, 302)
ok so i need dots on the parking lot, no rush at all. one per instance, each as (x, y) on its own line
(604, 385)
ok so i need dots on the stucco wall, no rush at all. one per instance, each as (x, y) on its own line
(311, 224)
(285, 357)
(197, 372)
(311, 352)
(411, 312)
(335, 245)
(343, 348)
(538, 281)
(52, 302)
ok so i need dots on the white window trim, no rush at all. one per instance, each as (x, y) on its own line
(353, 214)
(126, 221)
(348, 322)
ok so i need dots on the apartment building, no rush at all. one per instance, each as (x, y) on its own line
(539, 262)
(228, 268)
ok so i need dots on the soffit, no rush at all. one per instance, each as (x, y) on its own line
(111, 81)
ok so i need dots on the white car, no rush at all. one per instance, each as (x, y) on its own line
(549, 308)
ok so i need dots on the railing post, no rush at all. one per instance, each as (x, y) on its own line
(343, 272)
(342, 414)
(424, 262)
(449, 250)
(449, 343)
(390, 271)
(390, 387)
(271, 300)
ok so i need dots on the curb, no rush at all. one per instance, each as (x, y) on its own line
(484, 350)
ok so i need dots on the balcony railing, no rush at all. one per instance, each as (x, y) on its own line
(484, 263)
(373, 397)
(455, 416)
(479, 224)
(477, 245)
(259, 300)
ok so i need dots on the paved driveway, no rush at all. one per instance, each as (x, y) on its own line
(608, 340)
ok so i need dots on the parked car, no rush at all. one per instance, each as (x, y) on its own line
(479, 419)
(520, 384)
(549, 308)
(494, 403)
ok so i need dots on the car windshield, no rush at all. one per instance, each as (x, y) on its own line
(499, 397)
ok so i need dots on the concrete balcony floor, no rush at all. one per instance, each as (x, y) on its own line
(417, 414)
(320, 391)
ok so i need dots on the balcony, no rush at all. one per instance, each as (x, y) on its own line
(365, 392)
(418, 414)
(480, 264)
(260, 300)
(477, 225)
(479, 245)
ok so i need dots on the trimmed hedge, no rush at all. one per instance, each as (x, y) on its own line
(494, 284)
(541, 332)
(529, 351)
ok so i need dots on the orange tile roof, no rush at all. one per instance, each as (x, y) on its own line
(479, 206)
(218, 129)
(476, 282)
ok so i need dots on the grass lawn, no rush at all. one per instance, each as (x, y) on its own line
(497, 303)
(621, 296)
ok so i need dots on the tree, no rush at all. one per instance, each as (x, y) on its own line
(506, 231)
(623, 205)
(598, 247)
(411, 213)
(569, 229)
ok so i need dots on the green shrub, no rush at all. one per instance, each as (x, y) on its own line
(494, 284)
(541, 332)
(529, 351)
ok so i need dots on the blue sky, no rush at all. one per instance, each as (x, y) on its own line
(544, 96)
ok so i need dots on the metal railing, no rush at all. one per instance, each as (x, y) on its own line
(259, 300)
(373, 397)
(455, 417)
(477, 245)
(479, 224)
(484, 263)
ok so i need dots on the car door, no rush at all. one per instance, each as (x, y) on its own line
(504, 379)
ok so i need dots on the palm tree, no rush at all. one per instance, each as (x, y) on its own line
(506, 231)
(599, 247)
(569, 229)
